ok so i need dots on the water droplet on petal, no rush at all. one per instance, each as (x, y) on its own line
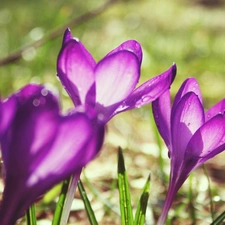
(36, 102)
(44, 92)
(146, 98)
(101, 117)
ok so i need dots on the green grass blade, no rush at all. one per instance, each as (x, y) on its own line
(219, 219)
(124, 192)
(30, 216)
(142, 205)
(87, 204)
(191, 201)
(98, 195)
(61, 202)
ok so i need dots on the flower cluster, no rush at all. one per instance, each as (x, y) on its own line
(41, 146)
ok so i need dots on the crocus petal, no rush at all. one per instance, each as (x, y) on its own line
(189, 85)
(67, 36)
(75, 70)
(116, 77)
(161, 109)
(149, 91)
(44, 150)
(7, 111)
(216, 109)
(187, 118)
(130, 45)
(209, 140)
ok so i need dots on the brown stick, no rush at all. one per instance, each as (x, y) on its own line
(56, 33)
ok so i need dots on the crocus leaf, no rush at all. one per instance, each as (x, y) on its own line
(219, 219)
(124, 192)
(89, 210)
(31, 216)
(60, 204)
(142, 204)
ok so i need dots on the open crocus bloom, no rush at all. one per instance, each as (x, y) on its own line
(191, 135)
(40, 147)
(109, 85)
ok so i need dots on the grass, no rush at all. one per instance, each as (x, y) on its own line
(189, 34)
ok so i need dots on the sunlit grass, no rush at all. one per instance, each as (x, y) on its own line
(169, 31)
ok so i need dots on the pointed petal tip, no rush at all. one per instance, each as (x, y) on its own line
(174, 71)
(67, 36)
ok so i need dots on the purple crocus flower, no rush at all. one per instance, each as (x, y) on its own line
(109, 85)
(192, 136)
(40, 147)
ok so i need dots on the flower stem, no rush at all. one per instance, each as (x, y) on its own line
(69, 198)
(167, 204)
(210, 191)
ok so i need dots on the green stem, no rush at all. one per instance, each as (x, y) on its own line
(30, 216)
(69, 198)
(87, 204)
(210, 191)
(192, 210)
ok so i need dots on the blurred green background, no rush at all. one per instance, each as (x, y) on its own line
(190, 33)
(185, 32)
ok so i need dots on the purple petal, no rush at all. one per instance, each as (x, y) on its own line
(162, 111)
(116, 77)
(32, 101)
(44, 150)
(187, 118)
(149, 91)
(67, 36)
(130, 45)
(209, 140)
(7, 112)
(189, 85)
(216, 109)
(75, 70)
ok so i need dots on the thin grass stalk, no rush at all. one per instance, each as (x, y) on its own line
(97, 194)
(31, 216)
(210, 192)
(191, 203)
(124, 192)
(219, 219)
(87, 204)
